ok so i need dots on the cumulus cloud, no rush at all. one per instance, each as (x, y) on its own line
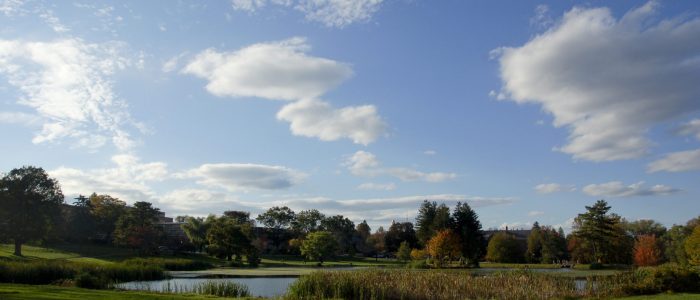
(313, 118)
(366, 164)
(608, 80)
(677, 162)
(128, 179)
(276, 70)
(331, 13)
(244, 177)
(377, 186)
(618, 189)
(691, 128)
(67, 83)
(548, 188)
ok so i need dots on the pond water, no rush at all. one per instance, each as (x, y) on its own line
(258, 286)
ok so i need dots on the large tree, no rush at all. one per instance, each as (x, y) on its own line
(307, 221)
(398, 233)
(196, 230)
(465, 223)
(443, 247)
(136, 229)
(318, 245)
(229, 236)
(30, 202)
(425, 220)
(343, 230)
(277, 217)
(647, 251)
(692, 247)
(504, 248)
(603, 234)
(106, 210)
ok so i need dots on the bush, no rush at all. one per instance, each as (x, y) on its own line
(596, 266)
(47, 271)
(89, 281)
(418, 264)
(666, 278)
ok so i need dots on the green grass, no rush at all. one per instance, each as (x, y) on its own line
(297, 261)
(664, 296)
(41, 292)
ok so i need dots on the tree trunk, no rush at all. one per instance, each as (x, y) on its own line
(18, 247)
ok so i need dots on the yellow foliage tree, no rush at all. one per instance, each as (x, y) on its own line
(444, 246)
(692, 247)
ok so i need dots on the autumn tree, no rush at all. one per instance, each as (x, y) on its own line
(318, 245)
(646, 251)
(444, 246)
(692, 247)
(136, 229)
(30, 202)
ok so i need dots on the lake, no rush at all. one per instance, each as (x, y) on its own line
(258, 286)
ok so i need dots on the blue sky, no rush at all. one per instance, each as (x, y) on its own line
(527, 110)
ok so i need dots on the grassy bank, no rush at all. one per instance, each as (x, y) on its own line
(48, 292)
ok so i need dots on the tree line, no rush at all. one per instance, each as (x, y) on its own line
(32, 208)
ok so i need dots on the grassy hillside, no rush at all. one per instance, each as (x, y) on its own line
(48, 292)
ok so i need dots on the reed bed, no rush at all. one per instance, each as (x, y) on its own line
(50, 271)
(214, 288)
(420, 285)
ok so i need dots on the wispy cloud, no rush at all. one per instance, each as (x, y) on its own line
(548, 188)
(331, 13)
(618, 189)
(366, 164)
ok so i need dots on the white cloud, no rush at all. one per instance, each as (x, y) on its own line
(53, 21)
(331, 13)
(172, 63)
(127, 180)
(430, 152)
(618, 189)
(677, 162)
(548, 188)
(366, 164)
(377, 186)
(691, 128)
(541, 18)
(276, 70)
(608, 80)
(19, 118)
(244, 177)
(12, 7)
(313, 118)
(67, 83)
(535, 213)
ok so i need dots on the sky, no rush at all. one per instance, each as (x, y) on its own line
(526, 110)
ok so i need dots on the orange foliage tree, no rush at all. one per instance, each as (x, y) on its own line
(444, 246)
(646, 251)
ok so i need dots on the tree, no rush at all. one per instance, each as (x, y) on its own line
(363, 230)
(376, 241)
(425, 220)
(342, 230)
(503, 248)
(30, 202)
(136, 228)
(79, 220)
(603, 235)
(444, 246)
(398, 233)
(362, 233)
(277, 217)
(467, 226)
(644, 227)
(534, 245)
(646, 251)
(318, 245)
(674, 244)
(553, 245)
(239, 217)
(307, 221)
(196, 230)
(692, 247)
(230, 235)
(404, 252)
(106, 210)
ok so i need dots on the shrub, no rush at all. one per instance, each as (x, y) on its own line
(666, 278)
(418, 264)
(170, 264)
(47, 271)
(596, 266)
(89, 281)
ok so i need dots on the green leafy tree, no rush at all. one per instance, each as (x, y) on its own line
(307, 221)
(105, 211)
(277, 217)
(229, 237)
(644, 227)
(404, 252)
(196, 230)
(79, 220)
(534, 245)
(467, 226)
(136, 229)
(398, 233)
(504, 248)
(30, 202)
(343, 230)
(692, 247)
(674, 244)
(362, 233)
(318, 246)
(553, 245)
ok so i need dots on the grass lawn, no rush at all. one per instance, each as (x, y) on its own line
(297, 261)
(665, 296)
(30, 292)
(84, 253)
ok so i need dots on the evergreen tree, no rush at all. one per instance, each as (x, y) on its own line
(465, 223)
